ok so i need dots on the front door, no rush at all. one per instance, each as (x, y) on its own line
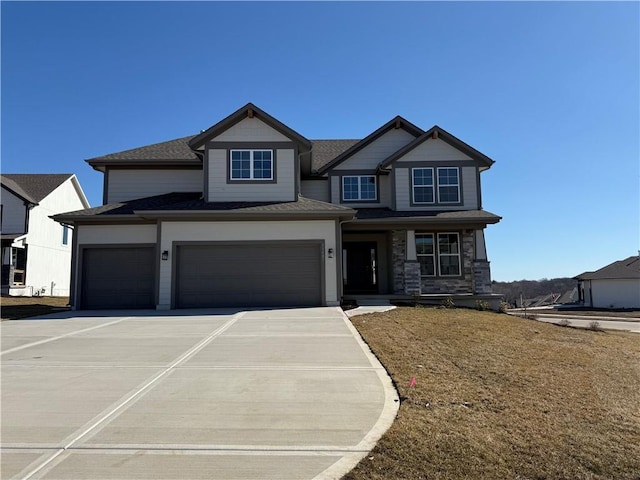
(359, 267)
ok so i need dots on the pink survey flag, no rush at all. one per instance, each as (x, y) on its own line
(413, 382)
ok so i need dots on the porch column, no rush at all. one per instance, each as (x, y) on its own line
(411, 267)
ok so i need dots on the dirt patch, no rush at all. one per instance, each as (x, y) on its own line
(14, 308)
(496, 396)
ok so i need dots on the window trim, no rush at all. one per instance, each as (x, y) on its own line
(437, 255)
(457, 185)
(251, 179)
(414, 186)
(65, 235)
(359, 199)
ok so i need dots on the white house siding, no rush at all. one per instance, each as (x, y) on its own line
(128, 184)
(48, 260)
(282, 190)
(13, 213)
(315, 189)
(370, 156)
(469, 190)
(251, 130)
(615, 293)
(254, 231)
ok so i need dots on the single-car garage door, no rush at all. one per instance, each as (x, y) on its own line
(121, 277)
(251, 274)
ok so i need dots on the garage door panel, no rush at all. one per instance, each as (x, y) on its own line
(118, 277)
(248, 275)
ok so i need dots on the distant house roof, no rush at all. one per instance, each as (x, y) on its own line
(622, 269)
(33, 187)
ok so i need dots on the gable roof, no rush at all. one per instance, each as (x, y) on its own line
(396, 122)
(438, 133)
(33, 187)
(622, 269)
(323, 151)
(249, 110)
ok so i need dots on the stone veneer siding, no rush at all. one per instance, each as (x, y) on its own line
(481, 277)
(462, 284)
(398, 257)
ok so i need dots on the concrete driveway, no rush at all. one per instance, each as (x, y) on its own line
(262, 394)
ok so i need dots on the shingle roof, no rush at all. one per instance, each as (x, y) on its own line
(458, 215)
(622, 269)
(33, 187)
(177, 149)
(323, 151)
(193, 202)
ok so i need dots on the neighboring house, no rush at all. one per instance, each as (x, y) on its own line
(36, 250)
(615, 286)
(250, 212)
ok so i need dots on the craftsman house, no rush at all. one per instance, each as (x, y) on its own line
(36, 251)
(251, 213)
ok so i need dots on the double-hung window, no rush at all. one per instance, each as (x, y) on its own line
(65, 235)
(448, 185)
(425, 250)
(251, 165)
(441, 258)
(427, 188)
(423, 189)
(359, 188)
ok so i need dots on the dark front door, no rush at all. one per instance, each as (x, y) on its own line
(360, 261)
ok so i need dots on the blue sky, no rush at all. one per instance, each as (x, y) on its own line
(549, 90)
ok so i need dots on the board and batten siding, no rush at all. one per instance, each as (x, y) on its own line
(323, 230)
(315, 189)
(469, 191)
(124, 185)
(282, 190)
(251, 130)
(370, 156)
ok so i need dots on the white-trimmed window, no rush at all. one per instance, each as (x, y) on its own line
(448, 185)
(449, 254)
(65, 235)
(441, 258)
(425, 251)
(422, 184)
(359, 188)
(251, 165)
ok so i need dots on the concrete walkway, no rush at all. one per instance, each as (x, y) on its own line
(263, 394)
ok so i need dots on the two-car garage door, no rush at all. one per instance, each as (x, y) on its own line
(248, 274)
(206, 275)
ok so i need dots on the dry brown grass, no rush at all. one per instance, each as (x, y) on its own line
(499, 397)
(13, 308)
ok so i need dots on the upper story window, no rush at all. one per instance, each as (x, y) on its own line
(359, 188)
(425, 185)
(251, 165)
(448, 185)
(423, 191)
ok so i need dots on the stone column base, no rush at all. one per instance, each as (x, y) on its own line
(412, 278)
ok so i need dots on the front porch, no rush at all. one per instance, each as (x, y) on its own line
(428, 265)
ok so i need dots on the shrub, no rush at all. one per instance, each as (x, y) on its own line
(595, 326)
(448, 303)
(564, 323)
(482, 305)
(503, 307)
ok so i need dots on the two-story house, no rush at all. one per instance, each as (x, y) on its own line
(36, 251)
(251, 213)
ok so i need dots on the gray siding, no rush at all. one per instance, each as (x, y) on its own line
(128, 184)
(283, 189)
(251, 130)
(315, 189)
(374, 153)
(434, 150)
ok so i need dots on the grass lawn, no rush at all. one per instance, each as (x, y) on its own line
(13, 308)
(499, 397)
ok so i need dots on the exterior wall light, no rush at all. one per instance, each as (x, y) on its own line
(165, 255)
(330, 253)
